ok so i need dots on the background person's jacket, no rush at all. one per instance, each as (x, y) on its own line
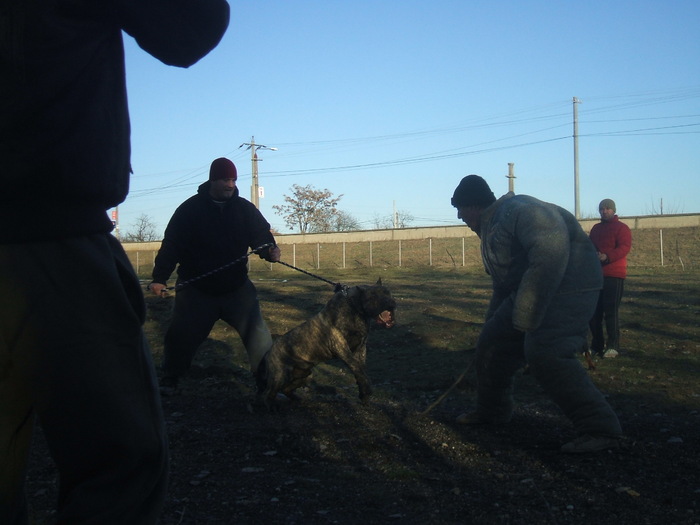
(534, 250)
(614, 239)
(203, 236)
(64, 121)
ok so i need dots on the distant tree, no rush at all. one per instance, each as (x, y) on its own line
(674, 208)
(386, 222)
(344, 222)
(143, 229)
(308, 209)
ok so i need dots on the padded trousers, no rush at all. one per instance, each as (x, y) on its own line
(551, 352)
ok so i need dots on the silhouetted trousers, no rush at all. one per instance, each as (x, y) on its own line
(194, 316)
(74, 358)
(607, 312)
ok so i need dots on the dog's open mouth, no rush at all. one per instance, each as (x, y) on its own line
(385, 319)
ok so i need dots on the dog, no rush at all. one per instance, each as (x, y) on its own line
(340, 330)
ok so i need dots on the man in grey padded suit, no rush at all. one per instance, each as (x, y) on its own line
(546, 279)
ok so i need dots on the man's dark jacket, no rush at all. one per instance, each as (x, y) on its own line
(64, 122)
(203, 236)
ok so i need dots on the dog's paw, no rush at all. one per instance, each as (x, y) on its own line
(364, 398)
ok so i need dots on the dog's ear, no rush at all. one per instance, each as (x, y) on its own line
(379, 282)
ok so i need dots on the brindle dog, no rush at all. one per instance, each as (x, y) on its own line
(338, 331)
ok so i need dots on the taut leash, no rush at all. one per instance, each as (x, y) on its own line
(221, 268)
(336, 286)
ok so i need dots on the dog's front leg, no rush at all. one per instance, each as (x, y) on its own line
(357, 364)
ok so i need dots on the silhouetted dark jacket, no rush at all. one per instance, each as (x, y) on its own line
(535, 249)
(203, 236)
(64, 122)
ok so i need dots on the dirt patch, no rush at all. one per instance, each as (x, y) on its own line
(330, 459)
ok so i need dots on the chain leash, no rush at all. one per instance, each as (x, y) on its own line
(221, 268)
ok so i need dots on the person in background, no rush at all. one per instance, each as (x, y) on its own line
(612, 239)
(546, 278)
(72, 351)
(206, 233)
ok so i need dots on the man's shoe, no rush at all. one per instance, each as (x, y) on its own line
(168, 386)
(610, 353)
(587, 443)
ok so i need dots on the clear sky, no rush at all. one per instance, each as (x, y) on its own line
(389, 103)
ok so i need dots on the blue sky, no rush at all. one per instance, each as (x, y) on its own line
(391, 103)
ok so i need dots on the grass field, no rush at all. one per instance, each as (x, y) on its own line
(440, 312)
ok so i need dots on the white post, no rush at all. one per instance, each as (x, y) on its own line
(661, 244)
(343, 254)
(318, 256)
(399, 253)
(464, 261)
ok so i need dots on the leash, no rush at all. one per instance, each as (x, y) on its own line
(336, 286)
(221, 268)
(447, 392)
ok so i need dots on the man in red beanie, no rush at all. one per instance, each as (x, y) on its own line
(546, 279)
(612, 239)
(205, 234)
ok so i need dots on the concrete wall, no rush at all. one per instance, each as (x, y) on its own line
(445, 232)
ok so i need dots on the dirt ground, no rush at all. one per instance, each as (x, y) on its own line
(330, 459)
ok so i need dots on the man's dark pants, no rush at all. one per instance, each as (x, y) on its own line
(73, 356)
(607, 312)
(195, 315)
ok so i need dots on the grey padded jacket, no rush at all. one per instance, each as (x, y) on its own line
(534, 250)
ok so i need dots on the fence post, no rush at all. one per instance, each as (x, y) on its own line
(137, 262)
(430, 251)
(343, 254)
(464, 261)
(318, 255)
(399, 253)
(294, 254)
(370, 254)
(661, 244)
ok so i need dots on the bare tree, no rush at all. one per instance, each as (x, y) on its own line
(143, 230)
(308, 209)
(674, 208)
(386, 222)
(344, 222)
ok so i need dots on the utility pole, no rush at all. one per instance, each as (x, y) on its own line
(511, 177)
(577, 210)
(254, 185)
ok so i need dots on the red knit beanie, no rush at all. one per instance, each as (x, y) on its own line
(222, 168)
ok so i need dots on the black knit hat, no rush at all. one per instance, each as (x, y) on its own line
(473, 191)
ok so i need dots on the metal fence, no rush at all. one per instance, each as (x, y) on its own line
(671, 247)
